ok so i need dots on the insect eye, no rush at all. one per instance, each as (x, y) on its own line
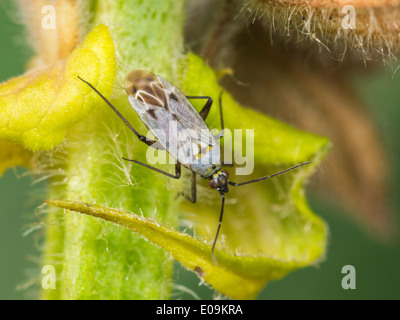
(213, 184)
(226, 173)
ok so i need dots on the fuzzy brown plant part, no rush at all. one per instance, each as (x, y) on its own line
(328, 24)
(51, 44)
(292, 59)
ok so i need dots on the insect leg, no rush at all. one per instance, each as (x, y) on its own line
(221, 114)
(177, 169)
(219, 226)
(141, 137)
(206, 109)
(193, 197)
(194, 190)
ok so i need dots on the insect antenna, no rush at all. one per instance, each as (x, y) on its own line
(219, 226)
(141, 137)
(268, 177)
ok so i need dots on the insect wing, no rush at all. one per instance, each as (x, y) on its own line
(179, 105)
(178, 127)
(203, 145)
(157, 120)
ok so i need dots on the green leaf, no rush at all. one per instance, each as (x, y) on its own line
(39, 107)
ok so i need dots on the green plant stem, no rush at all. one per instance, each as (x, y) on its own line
(96, 259)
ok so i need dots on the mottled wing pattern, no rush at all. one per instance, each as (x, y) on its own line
(175, 123)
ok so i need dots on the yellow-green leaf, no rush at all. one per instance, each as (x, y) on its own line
(38, 107)
(239, 277)
(268, 229)
(268, 220)
(13, 155)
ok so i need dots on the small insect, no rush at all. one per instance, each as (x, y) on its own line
(158, 102)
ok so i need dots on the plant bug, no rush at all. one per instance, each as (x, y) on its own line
(158, 103)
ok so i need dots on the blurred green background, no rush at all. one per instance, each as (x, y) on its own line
(377, 265)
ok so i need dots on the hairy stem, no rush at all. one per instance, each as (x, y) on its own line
(95, 259)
